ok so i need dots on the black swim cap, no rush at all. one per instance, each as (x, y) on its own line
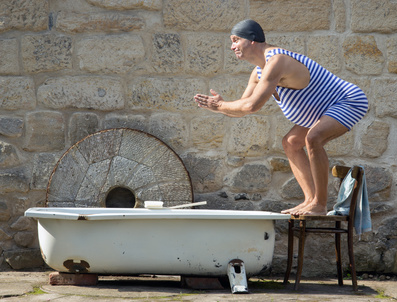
(250, 30)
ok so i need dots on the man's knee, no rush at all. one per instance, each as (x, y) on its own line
(286, 143)
(313, 140)
(291, 142)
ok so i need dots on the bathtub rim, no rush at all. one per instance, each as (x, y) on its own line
(67, 213)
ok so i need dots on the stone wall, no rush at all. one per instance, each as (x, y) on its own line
(71, 68)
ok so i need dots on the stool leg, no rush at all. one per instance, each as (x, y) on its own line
(338, 254)
(302, 235)
(291, 223)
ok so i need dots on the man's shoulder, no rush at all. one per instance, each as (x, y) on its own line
(279, 56)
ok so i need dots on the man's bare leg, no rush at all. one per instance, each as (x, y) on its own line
(293, 144)
(323, 131)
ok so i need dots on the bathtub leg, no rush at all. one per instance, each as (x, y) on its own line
(237, 277)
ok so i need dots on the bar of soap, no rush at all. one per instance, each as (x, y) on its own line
(153, 204)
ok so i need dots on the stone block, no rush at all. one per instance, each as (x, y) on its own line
(110, 54)
(75, 6)
(280, 164)
(29, 15)
(362, 55)
(83, 92)
(325, 50)
(25, 238)
(251, 177)
(374, 16)
(205, 172)
(207, 133)
(46, 52)
(11, 126)
(82, 124)
(17, 93)
(343, 145)
(276, 206)
(45, 131)
(168, 54)
(24, 258)
(5, 211)
(131, 121)
(229, 87)
(43, 164)
(234, 161)
(291, 190)
(379, 183)
(374, 139)
(170, 128)
(384, 95)
(249, 136)
(339, 9)
(203, 15)
(294, 42)
(392, 54)
(164, 94)
(23, 224)
(273, 15)
(58, 278)
(203, 54)
(127, 5)
(4, 236)
(9, 56)
(8, 155)
(385, 247)
(98, 22)
(14, 179)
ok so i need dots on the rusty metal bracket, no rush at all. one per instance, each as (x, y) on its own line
(79, 266)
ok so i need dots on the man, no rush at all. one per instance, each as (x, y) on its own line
(322, 106)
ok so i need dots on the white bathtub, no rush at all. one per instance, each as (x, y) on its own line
(187, 242)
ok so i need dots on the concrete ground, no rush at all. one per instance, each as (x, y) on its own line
(34, 286)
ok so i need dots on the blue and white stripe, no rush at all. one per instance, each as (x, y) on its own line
(326, 94)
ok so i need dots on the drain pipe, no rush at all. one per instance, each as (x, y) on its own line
(237, 277)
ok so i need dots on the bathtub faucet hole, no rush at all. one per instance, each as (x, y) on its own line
(120, 197)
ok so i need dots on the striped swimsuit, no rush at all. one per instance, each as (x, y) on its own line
(326, 94)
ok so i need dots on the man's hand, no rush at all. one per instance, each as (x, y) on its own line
(212, 103)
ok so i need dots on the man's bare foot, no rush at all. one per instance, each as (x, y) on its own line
(297, 208)
(294, 209)
(313, 209)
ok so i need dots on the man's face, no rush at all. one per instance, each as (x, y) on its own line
(239, 46)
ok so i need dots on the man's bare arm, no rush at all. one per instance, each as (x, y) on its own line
(253, 98)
